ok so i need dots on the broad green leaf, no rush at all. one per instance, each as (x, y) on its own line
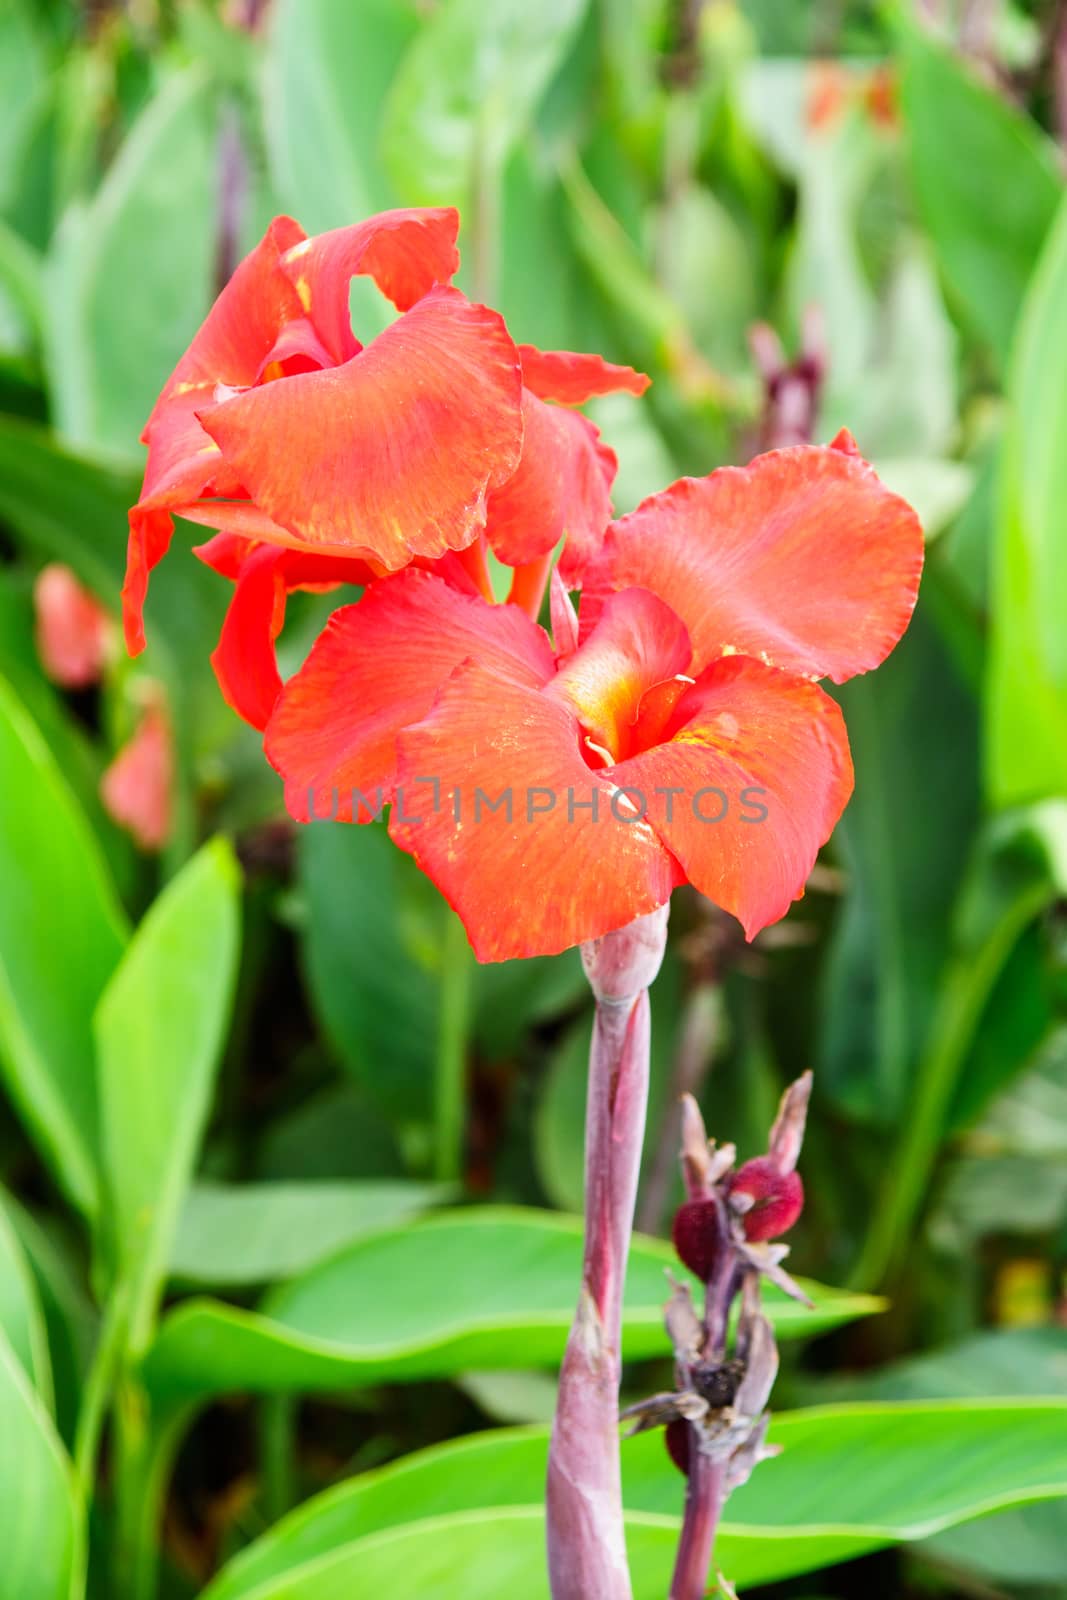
(61, 935)
(1027, 682)
(71, 1320)
(21, 1318)
(467, 90)
(160, 1028)
(484, 1288)
(966, 143)
(37, 1516)
(329, 67)
(261, 1232)
(1024, 1545)
(23, 80)
(892, 934)
(850, 1478)
(129, 276)
(372, 953)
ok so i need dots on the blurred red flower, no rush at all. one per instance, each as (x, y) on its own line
(553, 795)
(280, 429)
(72, 629)
(137, 788)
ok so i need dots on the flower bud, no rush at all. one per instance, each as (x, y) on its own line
(777, 1198)
(696, 1237)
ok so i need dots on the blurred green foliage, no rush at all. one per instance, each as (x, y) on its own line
(232, 1070)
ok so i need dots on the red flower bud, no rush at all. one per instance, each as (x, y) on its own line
(777, 1198)
(696, 1237)
(676, 1438)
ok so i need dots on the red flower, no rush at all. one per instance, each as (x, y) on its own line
(73, 631)
(277, 426)
(675, 735)
(137, 788)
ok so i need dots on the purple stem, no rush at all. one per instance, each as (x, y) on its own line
(586, 1541)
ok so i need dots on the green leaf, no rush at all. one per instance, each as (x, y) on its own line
(37, 1517)
(1025, 1545)
(372, 953)
(1027, 683)
(483, 1288)
(261, 1232)
(985, 251)
(21, 1318)
(329, 67)
(892, 934)
(129, 276)
(466, 91)
(850, 1478)
(160, 1028)
(61, 934)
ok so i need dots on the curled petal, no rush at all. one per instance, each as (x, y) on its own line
(637, 644)
(562, 487)
(802, 559)
(749, 787)
(538, 874)
(573, 378)
(405, 252)
(391, 455)
(376, 667)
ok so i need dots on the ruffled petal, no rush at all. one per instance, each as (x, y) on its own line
(802, 559)
(376, 667)
(760, 770)
(543, 873)
(562, 487)
(637, 643)
(573, 378)
(391, 455)
(405, 252)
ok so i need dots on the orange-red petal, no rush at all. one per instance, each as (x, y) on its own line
(550, 874)
(572, 378)
(241, 327)
(391, 455)
(802, 559)
(760, 770)
(406, 252)
(562, 487)
(377, 667)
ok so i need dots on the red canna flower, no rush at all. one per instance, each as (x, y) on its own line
(674, 733)
(137, 788)
(280, 429)
(72, 629)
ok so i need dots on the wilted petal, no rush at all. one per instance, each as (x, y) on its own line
(572, 377)
(137, 788)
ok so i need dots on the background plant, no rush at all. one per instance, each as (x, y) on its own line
(230, 1091)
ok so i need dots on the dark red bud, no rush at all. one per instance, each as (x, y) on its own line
(676, 1438)
(777, 1198)
(696, 1236)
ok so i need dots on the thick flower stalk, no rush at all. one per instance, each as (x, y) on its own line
(586, 1544)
